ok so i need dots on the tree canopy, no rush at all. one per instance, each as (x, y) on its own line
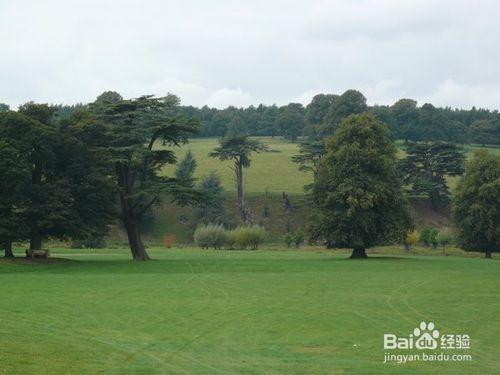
(426, 166)
(476, 204)
(359, 201)
(138, 134)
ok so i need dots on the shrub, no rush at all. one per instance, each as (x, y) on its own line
(429, 236)
(247, 236)
(210, 235)
(411, 239)
(255, 236)
(298, 238)
(288, 239)
(445, 237)
(230, 239)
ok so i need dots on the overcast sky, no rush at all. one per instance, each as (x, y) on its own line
(239, 53)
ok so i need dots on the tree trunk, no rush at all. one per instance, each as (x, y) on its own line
(36, 237)
(8, 250)
(358, 253)
(487, 254)
(244, 210)
(134, 239)
(130, 219)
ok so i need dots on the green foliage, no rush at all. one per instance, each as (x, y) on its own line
(310, 155)
(243, 237)
(476, 205)
(291, 121)
(445, 237)
(133, 127)
(486, 131)
(236, 128)
(212, 209)
(64, 190)
(426, 166)
(4, 107)
(210, 235)
(288, 239)
(404, 119)
(185, 169)
(359, 202)
(298, 238)
(317, 110)
(411, 239)
(349, 103)
(428, 236)
(184, 174)
(325, 112)
(238, 150)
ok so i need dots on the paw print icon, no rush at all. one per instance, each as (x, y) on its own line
(426, 336)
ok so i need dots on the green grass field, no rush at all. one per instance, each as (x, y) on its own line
(272, 170)
(253, 312)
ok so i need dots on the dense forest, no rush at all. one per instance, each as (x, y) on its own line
(322, 116)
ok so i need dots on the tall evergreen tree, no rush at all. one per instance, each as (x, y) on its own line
(212, 209)
(359, 201)
(133, 128)
(184, 173)
(238, 150)
(426, 166)
(309, 158)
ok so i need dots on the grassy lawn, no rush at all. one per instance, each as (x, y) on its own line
(255, 312)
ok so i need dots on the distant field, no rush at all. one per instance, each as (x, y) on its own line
(230, 312)
(272, 170)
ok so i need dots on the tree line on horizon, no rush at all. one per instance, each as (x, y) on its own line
(406, 120)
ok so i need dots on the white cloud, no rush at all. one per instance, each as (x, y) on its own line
(225, 97)
(240, 53)
(458, 95)
(383, 92)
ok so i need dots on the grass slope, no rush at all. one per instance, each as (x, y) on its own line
(223, 312)
(272, 170)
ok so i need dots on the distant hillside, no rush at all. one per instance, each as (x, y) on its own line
(275, 172)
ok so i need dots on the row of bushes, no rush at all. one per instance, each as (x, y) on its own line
(296, 239)
(430, 237)
(242, 237)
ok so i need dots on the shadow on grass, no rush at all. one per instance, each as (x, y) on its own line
(38, 261)
(203, 265)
